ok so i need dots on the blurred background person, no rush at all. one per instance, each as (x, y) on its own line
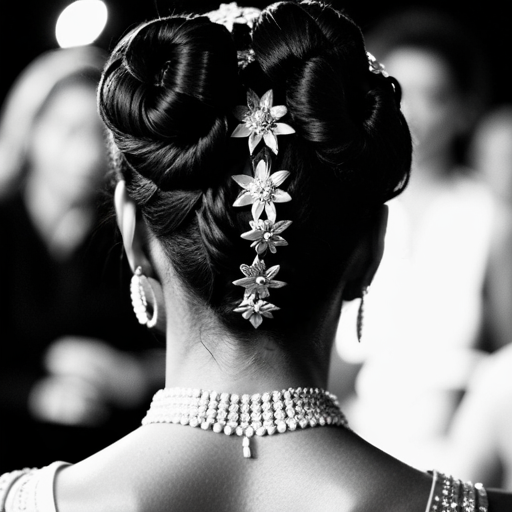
(491, 154)
(478, 445)
(72, 364)
(423, 316)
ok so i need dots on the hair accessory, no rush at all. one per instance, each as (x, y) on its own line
(258, 279)
(262, 192)
(139, 301)
(265, 234)
(234, 17)
(375, 66)
(246, 415)
(232, 14)
(259, 120)
(245, 57)
(254, 310)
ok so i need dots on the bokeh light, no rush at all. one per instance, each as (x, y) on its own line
(81, 23)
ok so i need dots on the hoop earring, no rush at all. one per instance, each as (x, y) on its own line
(139, 301)
(360, 316)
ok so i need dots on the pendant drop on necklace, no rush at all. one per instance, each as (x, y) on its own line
(246, 415)
(246, 447)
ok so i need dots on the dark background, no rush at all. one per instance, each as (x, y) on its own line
(27, 28)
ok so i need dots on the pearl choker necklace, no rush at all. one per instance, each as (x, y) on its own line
(246, 415)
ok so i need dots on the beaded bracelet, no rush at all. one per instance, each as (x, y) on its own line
(451, 495)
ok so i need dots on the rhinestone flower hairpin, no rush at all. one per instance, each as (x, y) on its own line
(237, 19)
(231, 14)
(375, 66)
(259, 122)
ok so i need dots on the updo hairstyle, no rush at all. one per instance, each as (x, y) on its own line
(167, 96)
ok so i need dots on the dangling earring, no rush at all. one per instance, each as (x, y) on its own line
(360, 316)
(139, 301)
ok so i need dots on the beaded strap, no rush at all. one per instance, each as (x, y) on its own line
(246, 415)
(29, 489)
(20, 479)
(452, 495)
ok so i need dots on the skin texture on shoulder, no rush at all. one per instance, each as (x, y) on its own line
(170, 467)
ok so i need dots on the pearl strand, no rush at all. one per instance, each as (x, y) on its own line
(246, 415)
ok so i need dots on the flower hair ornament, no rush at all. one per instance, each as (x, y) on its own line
(259, 120)
(240, 22)
(261, 191)
(375, 66)
(232, 14)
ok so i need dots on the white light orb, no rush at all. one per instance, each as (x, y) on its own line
(81, 23)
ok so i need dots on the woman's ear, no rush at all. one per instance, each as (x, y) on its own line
(132, 231)
(366, 257)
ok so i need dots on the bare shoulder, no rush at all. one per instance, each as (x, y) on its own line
(393, 483)
(108, 477)
(343, 472)
(311, 470)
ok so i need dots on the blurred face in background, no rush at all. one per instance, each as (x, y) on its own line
(431, 102)
(67, 145)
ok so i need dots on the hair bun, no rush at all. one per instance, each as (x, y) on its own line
(171, 84)
(348, 116)
(322, 61)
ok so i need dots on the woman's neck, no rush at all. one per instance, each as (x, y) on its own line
(217, 360)
(228, 369)
(203, 353)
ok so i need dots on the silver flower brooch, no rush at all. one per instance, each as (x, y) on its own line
(262, 192)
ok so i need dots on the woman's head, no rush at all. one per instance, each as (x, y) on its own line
(440, 68)
(59, 83)
(168, 95)
(66, 150)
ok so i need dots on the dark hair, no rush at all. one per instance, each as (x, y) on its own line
(167, 96)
